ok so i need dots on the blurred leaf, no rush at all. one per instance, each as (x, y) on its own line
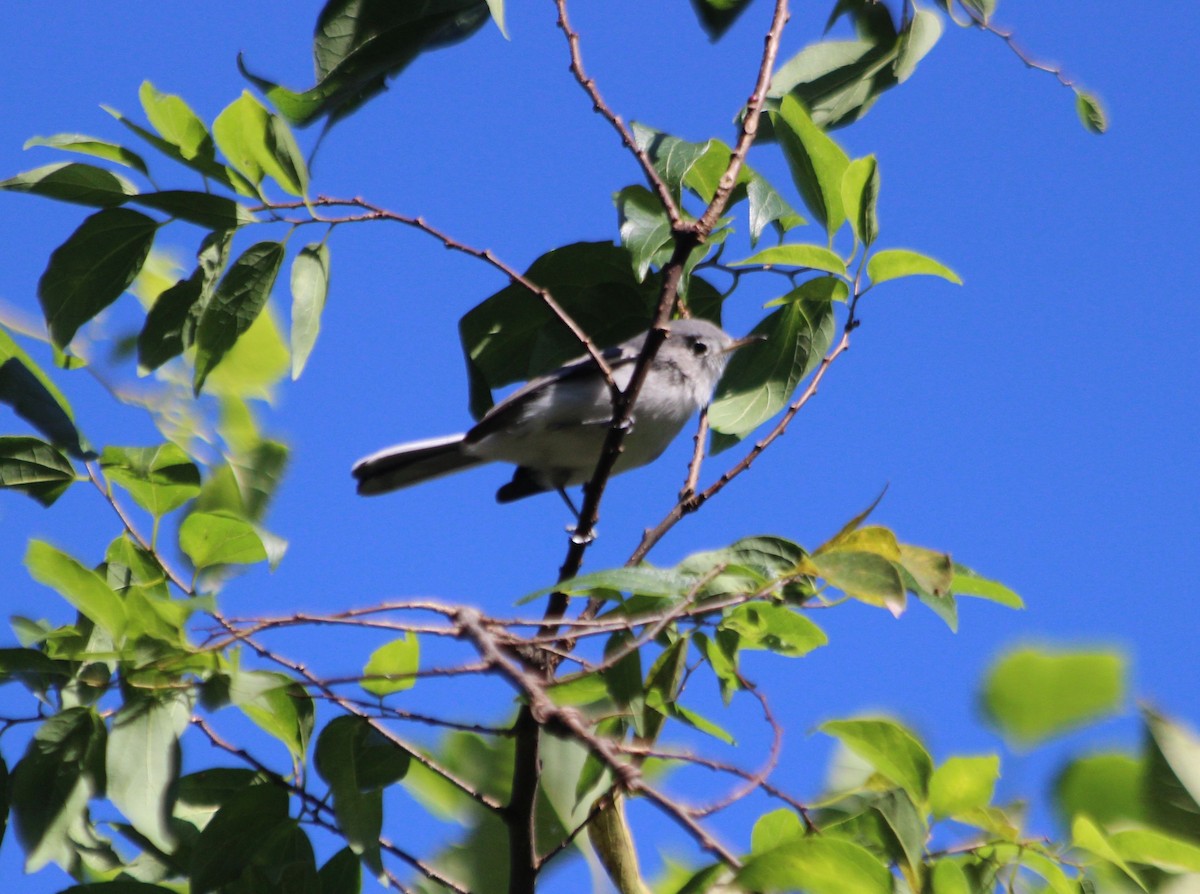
(81, 587)
(888, 747)
(359, 44)
(51, 785)
(277, 705)
(894, 263)
(235, 305)
(818, 865)
(142, 762)
(640, 580)
(159, 479)
(258, 143)
(1106, 787)
(1086, 835)
(775, 828)
(816, 257)
(1153, 848)
(716, 16)
(201, 208)
(968, 583)
(962, 784)
(512, 336)
(255, 364)
(817, 163)
(762, 376)
(1171, 784)
(77, 142)
(1033, 694)
(37, 400)
(341, 874)
(176, 123)
(948, 878)
(1091, 112)
(310, 286)
(645, 228)
(33, 466)
(234, 838)
(767, 625)
(73, 182)
(220, 538)
(860, 195)
(399, 659)
(92, 268)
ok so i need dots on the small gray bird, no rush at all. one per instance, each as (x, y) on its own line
(553, 428)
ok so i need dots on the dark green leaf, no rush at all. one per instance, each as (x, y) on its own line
(142, 762)
(159, 479)
(33, 466)
(1033, 694)
(512, 336)
(92, 268)
(888, 747)
(1171, 784)
(1091, 112)
(235, 837)
(77, 142)
(359, 44)
(161, 337)
(645, 228)
(220, 538)
(310, 285)
(236, 303)
(640, 580)
(394, 664)
(717, 15)
(341, 874)
(893, 263)
(818, 865)
(817, 163)
(61, 770)
(203, 208)
(80, 586)
(762, 376)
(73, 182)
(36, 399)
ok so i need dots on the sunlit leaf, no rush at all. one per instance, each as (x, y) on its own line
(860, 195)
(815, 257)
(73, 182)
(816, 864)
(968, 583)
(1091, 112)
(85, 145)
(220, 538)
(80, 586)
(890, 748)
(817, 163)
(159, 479)
(1107, 787)
(176, 122)
(779, 628)
(277, 705)
(310, 285)
(894, 263)
(258, 143)
(394, 664)
(963, 783)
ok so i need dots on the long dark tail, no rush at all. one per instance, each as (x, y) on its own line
(412, 463)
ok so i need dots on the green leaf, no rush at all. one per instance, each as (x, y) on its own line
(159, 479)
(51, 785)
(398, 660)
(176, 122)
(161, 337)
(73, 182)
(33, 466)
(862, 563)
(80, 586)
(341, 874)
(277, 705)
(716, 16)
(1107, 787)
(775, 828)
(310, 286)
(1171, 783)
(816, 257)
(359, 44)
(1033, 694)
(512, 336)
(234, 838)
(948, 878)
(202, 208)
(817, 865)
(962, 784)
(779, 628)
(762, 376)
(888, 747)
(37, 400)
(893, 263)
(77, 142)
(1086, 835)
(860, 195)
(204, 162)
(235, 305)
(968, 583)
(1091, 112)
(220, 538)
(645, 228)
(92, 268)
(259, 144)
(817, 163)
(923, 30)
(1157, 849)
(142, 762)
(639, 580)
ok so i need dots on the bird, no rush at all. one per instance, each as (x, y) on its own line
(553, 428)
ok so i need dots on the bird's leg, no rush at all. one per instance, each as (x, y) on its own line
(562, 492)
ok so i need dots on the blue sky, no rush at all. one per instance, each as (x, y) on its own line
(1040, 422)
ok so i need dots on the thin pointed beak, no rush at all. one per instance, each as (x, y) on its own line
(742, 342)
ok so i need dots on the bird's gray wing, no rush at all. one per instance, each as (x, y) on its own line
(510, 411)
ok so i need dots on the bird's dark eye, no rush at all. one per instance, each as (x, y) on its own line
(699, 348)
